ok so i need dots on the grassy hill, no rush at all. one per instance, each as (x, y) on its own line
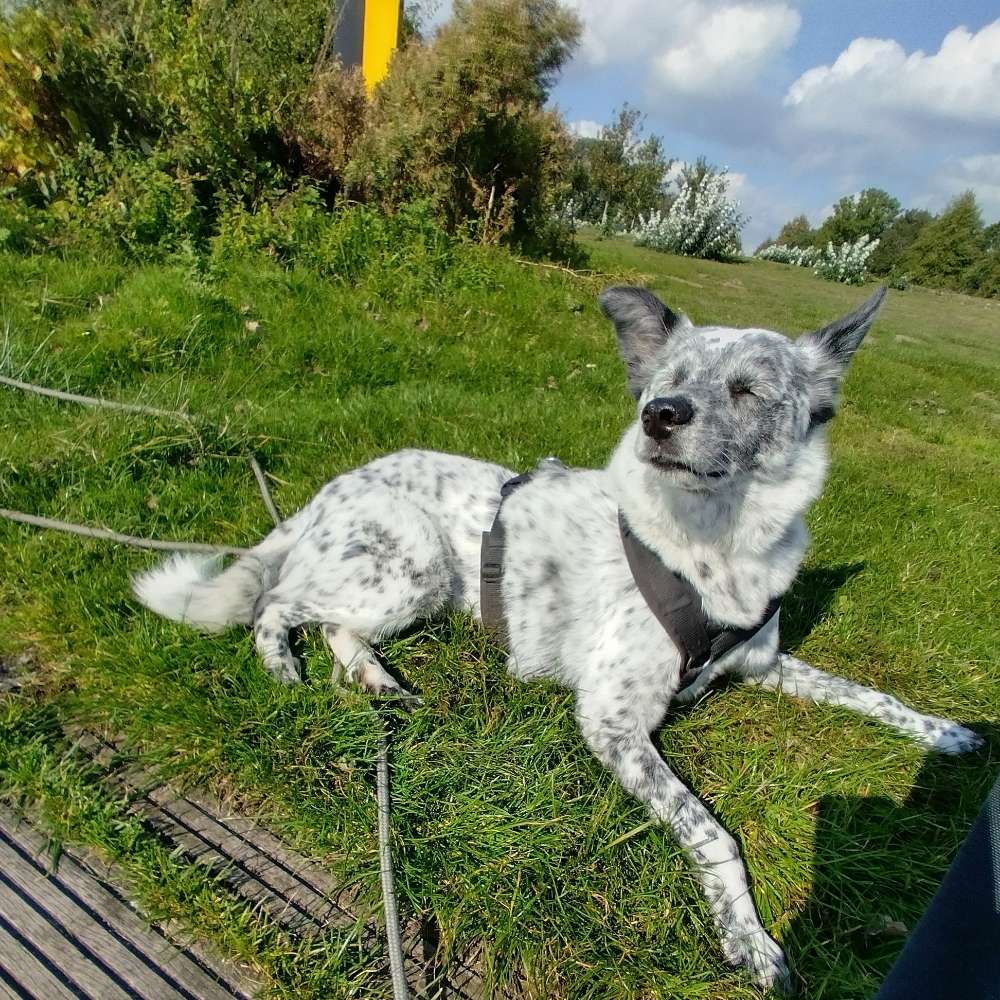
(505, 829)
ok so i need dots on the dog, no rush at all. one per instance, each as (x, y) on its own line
(727, 452)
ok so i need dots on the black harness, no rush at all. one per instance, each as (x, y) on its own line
(674, 602)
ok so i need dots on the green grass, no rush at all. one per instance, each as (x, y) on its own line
(504, 828)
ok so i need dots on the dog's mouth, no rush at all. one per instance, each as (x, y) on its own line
(663, 462)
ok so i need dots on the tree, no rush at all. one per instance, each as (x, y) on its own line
(461, 121)
(948, 248)
(797, 233)
(617, 175)
(984, 278)
(869, 213)
(897, 240)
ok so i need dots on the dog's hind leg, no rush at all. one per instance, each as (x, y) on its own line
(359, 662)
(800, 680)
(272, 621)
(622, 745)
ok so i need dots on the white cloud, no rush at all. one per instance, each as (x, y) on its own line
(876, 91)
(586, 128)
(693, 47)
(627, 30)
(980, 174)
(727, 49)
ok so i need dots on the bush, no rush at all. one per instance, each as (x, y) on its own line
(782, 254)
(145, 208)
(400, 255)
(847, 262)
(24, 226)
(139, 120)
(701, 222)
(332, 119)
(460, 122)
(213, 84)
(63, 78)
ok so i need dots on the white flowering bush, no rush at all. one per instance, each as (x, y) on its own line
(783, 254)
(702, 222)
(848, 262)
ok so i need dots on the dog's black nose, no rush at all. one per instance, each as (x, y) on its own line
(660, 416)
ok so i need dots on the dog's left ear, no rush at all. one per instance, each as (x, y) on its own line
(643, 324)
(830, 350)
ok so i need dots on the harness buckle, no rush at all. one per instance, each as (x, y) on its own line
(491, 571)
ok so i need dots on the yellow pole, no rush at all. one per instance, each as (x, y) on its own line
(381, 36)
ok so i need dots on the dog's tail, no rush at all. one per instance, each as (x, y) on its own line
(190, 588)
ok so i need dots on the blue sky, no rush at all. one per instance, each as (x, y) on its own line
(803, 100)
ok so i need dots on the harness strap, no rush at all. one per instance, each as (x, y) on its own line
(673, 600)
(677, 606)
(491, 565)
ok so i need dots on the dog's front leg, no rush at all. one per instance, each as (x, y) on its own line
(626, 749)
(800, 680)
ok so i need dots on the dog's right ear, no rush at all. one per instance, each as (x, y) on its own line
(643, 324)
(829, 351)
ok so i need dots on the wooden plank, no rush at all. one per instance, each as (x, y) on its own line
(297, 892)
(25, 974)
(58, 946)
(302, 902)
(106, 906)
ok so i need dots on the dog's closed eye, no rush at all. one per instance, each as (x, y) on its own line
(740, 390)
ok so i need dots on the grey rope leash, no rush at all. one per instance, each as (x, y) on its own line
(107, 535)
(108, 404)
(265, 493)
(394, 941)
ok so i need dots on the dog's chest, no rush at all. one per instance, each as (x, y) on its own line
(572, 606)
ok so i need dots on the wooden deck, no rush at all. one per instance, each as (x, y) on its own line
(71, 931)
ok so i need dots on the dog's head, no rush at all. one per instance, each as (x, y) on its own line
(716, 404)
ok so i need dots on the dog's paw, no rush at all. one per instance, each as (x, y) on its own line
(287, 673)
(381, 684)
(949, 737)
(757, 952)
(397, 694)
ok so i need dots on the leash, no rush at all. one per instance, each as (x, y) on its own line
(106, 535)
(394, 940)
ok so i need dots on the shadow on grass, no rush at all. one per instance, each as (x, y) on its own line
(877, 865)
(807, 602)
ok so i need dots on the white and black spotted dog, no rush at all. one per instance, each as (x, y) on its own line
(727, 452)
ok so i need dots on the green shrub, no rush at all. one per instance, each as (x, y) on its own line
(461, 122)
(214, 84)
(146, 208)
(23, 226)
(398, 255)
(135, 122)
